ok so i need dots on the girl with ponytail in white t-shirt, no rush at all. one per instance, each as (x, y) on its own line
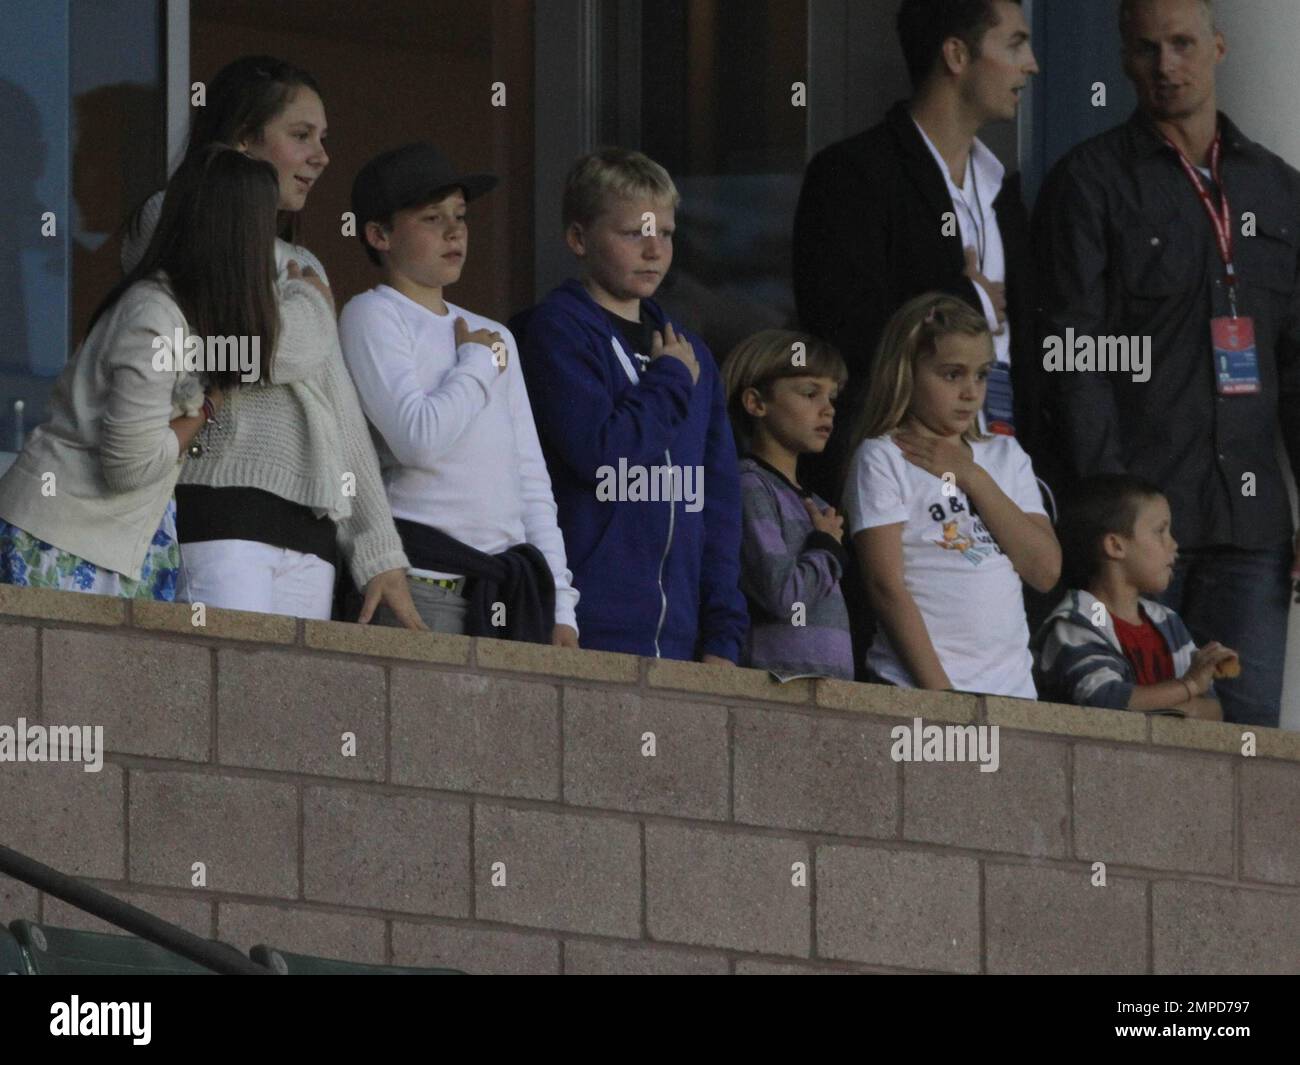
(946, 521)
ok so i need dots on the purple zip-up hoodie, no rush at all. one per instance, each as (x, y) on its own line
(655, 578)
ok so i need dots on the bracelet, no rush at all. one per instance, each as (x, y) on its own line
(1191, 692)
(209, 412)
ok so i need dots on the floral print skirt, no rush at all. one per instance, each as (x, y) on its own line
(32, 563)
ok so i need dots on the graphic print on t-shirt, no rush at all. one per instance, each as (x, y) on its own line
(960, 529)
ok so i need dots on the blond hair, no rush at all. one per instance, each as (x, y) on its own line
(613, 173)
(913, 333)
(759, 361)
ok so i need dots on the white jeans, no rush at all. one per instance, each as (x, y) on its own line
(247, 575)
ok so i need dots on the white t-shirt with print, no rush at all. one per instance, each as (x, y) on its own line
(964, 585)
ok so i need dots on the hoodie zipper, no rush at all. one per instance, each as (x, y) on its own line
(634, 377)
(663, 596)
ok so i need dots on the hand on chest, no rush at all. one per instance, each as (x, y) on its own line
(945, 519)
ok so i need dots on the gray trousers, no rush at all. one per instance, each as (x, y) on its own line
(440, 608)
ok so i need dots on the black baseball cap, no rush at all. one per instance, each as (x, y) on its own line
(409, 176)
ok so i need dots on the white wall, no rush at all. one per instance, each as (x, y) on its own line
(1259, 87)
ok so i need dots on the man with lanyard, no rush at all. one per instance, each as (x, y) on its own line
(1175, 227)
(919, 204)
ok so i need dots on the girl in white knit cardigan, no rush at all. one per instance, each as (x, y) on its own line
(88, 504)
(285, 486)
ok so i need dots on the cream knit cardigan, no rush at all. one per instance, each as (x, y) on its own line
(96, 478)
(302, 437)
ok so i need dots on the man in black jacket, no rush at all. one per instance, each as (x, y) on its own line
(919, 204)
(1175, 231)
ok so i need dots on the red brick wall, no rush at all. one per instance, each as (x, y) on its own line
(225, 747)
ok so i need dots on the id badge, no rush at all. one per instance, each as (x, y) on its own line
(999, 413)
(1236, 362)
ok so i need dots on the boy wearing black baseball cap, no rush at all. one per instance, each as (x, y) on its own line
(443, 389)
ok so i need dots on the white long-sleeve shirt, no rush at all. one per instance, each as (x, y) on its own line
(454, 433)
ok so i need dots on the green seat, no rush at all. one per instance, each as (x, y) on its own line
(12, 960)
(286, 964)
(69, 952)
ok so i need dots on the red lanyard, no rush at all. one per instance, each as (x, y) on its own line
(1220, 218)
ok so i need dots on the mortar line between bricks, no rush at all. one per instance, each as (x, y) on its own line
(538, 675)
(302, 858)
(1070, 843)
(813, 946)
(141, 634)
(447, 920)
(560, 705)
(1151, 927)
(900, 829)
(388, 725)
(645, 887)
(846, 965)
(126, 826)
(1238, 823)
(40, 673)
(214, 708)
(731, 763)
(154, 762)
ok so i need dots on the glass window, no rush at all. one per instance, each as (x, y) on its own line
(718, 110)
(81, 143)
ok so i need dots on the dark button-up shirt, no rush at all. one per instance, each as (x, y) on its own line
(1126, 249)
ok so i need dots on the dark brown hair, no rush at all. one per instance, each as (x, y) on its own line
(923, 26)
(214, 249)
(1097, 507)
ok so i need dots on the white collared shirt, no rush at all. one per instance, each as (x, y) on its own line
(973, 204)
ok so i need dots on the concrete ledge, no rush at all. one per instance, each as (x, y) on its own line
(722, 680)
(54, 605)
(557, 661)
(1125, 726)
(743, 685)
(1224, 737)
(223, 624)
(896, 702)
(385, 642)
